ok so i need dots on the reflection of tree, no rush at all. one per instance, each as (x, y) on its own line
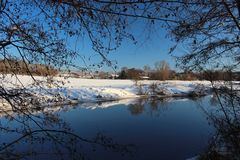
(138, 107)
(157, 106)
(152, 106)
(34, 135)
(213, 100)
(226, 120)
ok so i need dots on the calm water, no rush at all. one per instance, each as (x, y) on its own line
(162, 129)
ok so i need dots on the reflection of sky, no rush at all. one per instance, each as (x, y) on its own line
(179, 126)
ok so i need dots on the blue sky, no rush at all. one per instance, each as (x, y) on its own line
(146, 52)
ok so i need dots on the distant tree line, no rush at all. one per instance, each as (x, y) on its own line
(162, 71)
(12, 66)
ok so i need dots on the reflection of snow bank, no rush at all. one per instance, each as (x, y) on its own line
(107, 104)
(51, 108)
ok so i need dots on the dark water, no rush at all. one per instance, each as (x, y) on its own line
(159, 129)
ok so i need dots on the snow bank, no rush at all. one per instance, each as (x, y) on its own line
(95, 90)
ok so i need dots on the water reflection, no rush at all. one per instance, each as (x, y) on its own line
(152, 106)
(40, 134)
(225, 117)
(153, 129)
(137, 107)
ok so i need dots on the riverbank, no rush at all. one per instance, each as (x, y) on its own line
(60, 90)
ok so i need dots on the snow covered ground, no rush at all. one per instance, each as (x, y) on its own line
(92, 90)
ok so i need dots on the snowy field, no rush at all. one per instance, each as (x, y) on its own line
(62, 90)
(92, 90)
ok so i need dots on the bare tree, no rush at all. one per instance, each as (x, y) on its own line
(210, 31)
(225, 144)
(105, 23)
(42, 31)
(162, 70)
(147, 69)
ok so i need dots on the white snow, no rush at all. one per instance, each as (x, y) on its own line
(92, 90)
(61, 91)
